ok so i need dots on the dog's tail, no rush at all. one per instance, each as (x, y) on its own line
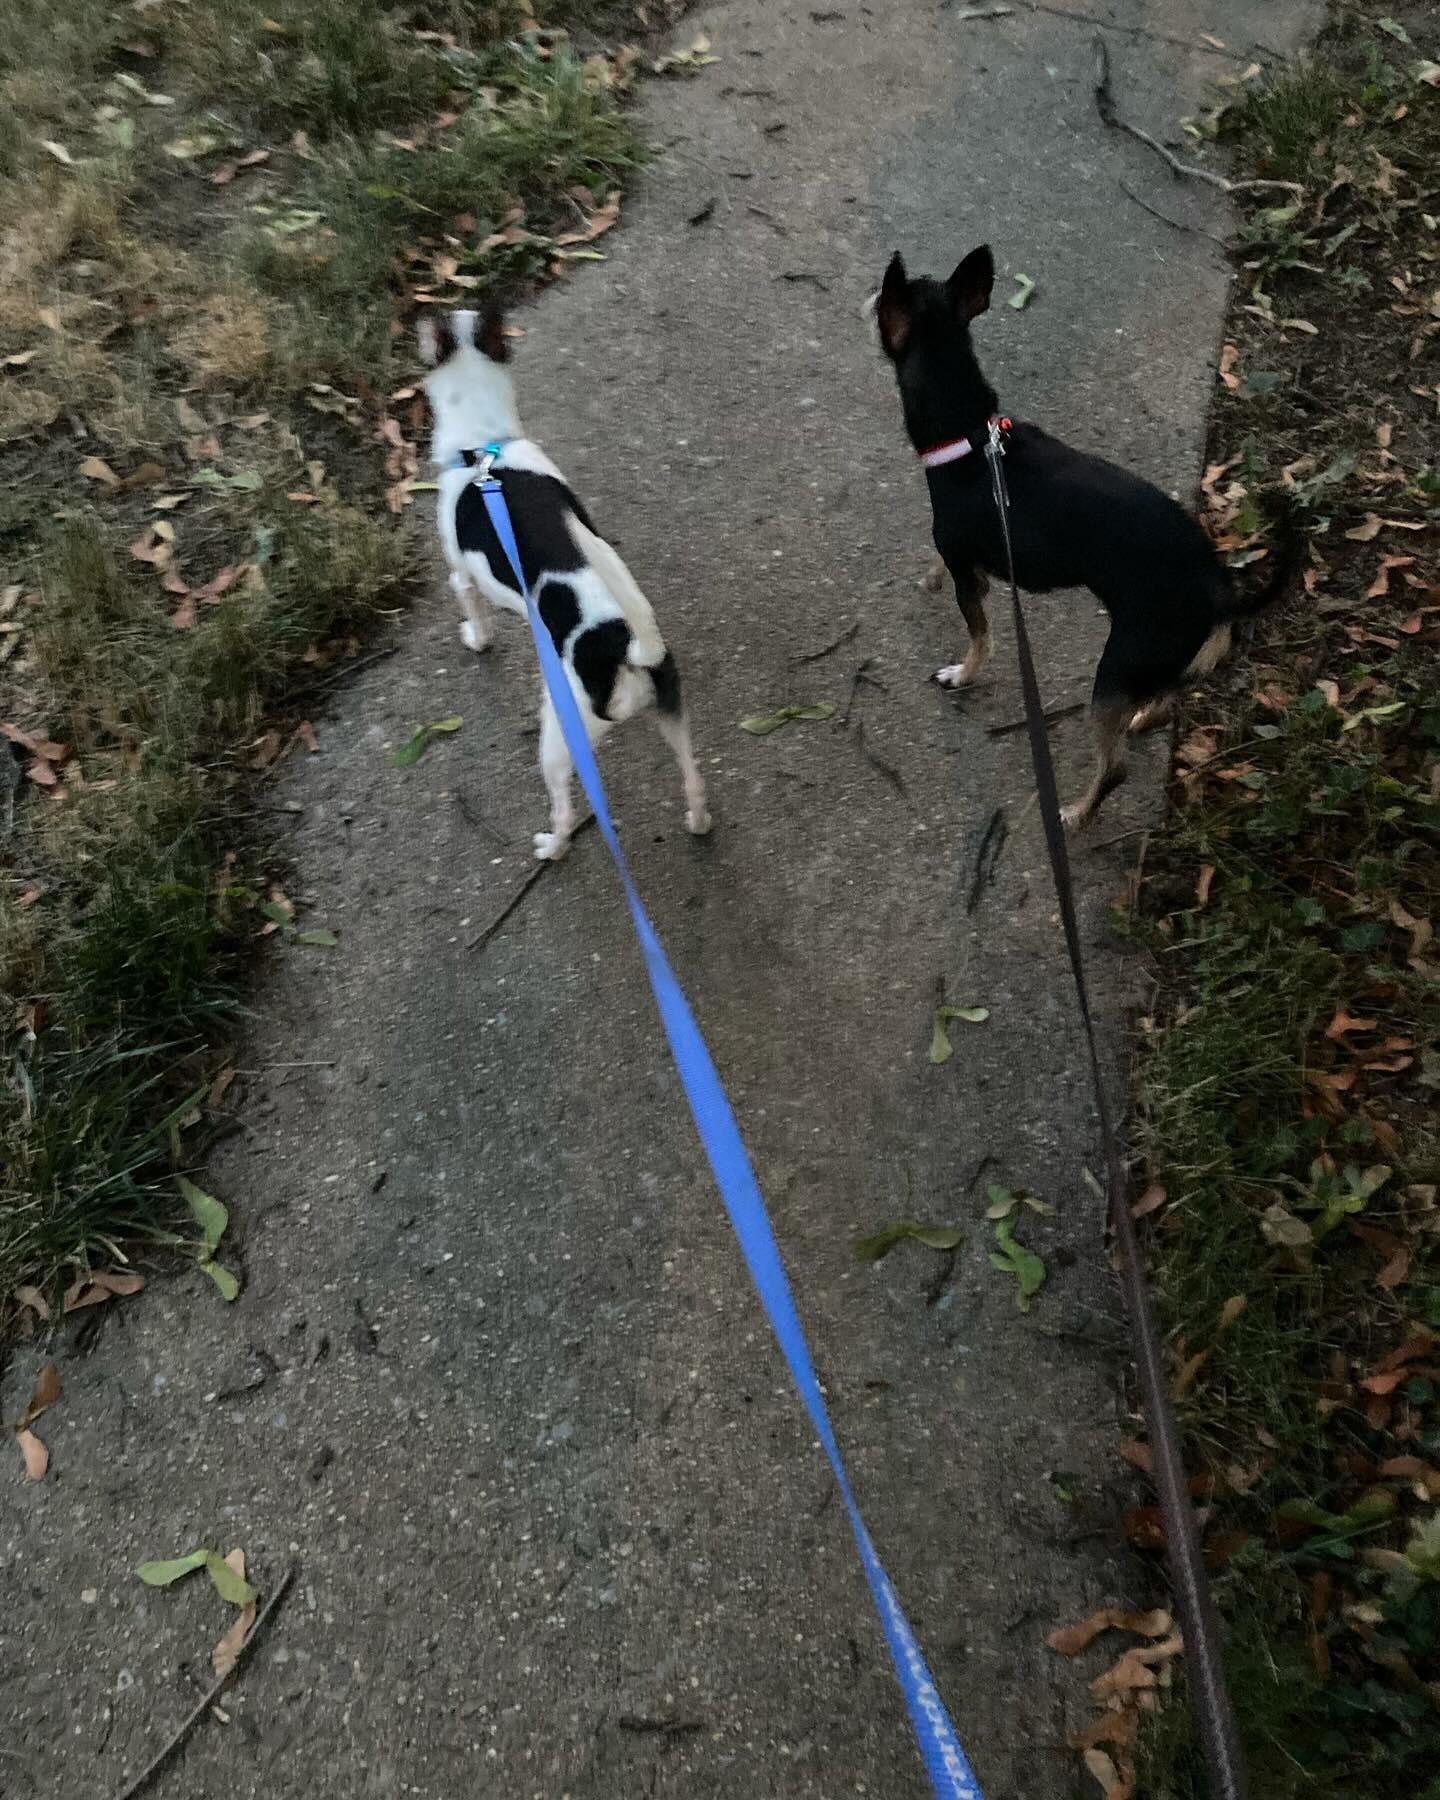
(1289, 554)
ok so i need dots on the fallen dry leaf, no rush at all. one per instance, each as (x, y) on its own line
(102, 1285)
(1380, 586)
(1123, 1678)
(1229, 356)
(47, 1392)
(227, 1652)
(34, 1299)
(305, 731)
(1114, 1784)
(155, 545)
(37, 1457)
(94, 468)
(1070, 1640)
(1362, 534)
(1137, 1454)
(1150, 1201)
(1203, 884)
(1343, 1023)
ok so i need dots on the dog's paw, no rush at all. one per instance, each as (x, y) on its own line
(473, 637)
(933, 579)
(955, 675)
(1075, 816)
(550, 846)
(698, 823)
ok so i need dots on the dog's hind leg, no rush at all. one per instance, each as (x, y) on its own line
(675, 729)
(1153, 714)
(476, 631)
(1111, 717)
(970, 589)
(557, 768)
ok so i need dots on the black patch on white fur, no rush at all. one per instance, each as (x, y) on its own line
(597, 658)
(666, 677)
(538, 506)
(560, 611)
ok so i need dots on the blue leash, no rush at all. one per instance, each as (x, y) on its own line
(949, 1772)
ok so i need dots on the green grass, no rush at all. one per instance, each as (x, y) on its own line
(1278, 898)
(172, 327)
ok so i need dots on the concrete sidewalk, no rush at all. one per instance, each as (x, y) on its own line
(497, 1381)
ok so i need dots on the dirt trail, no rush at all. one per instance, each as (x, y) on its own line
(497, 1380)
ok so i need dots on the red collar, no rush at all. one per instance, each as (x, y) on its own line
(952, 451)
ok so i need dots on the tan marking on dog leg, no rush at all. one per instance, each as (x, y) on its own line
(1212, 652)
(1153, 714)
(1110, 769)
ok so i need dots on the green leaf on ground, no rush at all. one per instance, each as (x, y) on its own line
(941, 1049)
(1003, 1204)
(880, 1243)
(161, 1574)
(1024, 288)
(230, 1586)
(210, 1215)
(416, 744)
(229, 1287)
(317, 934)
(1014, 1259)
(762, 724)
(1262, 381)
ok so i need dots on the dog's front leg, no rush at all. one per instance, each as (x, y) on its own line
(970, 587)
(476, 630)
(557, 768)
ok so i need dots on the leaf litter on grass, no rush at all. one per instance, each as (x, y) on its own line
(1283, 1104)
(258, 347)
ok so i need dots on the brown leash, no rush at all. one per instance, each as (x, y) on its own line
(1215, 1716)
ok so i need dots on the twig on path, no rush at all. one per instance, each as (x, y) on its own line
(346, 670)
(861, 674)
(1196, 44)
(1105, 106)
(670, 1727)
(1174, 224)
(1055, 712)
(483, 937)
(987, 857)
(880, 766)
(834, 644)
(147, 1774)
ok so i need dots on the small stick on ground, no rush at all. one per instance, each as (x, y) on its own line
(1198, 45)
(346, 670)
(147, 1774)
(987, 857)
(834, 644)
(1174, 224)
(1055, 712)
(879, 764)
(862, 674)
(1105, 106)
(482, 938)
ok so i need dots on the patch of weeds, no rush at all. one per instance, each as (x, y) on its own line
(1288, 1082)
(372, 218)
(200, 280)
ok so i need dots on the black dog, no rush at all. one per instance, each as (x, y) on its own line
(1075, 521)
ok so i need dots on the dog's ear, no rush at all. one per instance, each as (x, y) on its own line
(491, 338)
(892, 307)
(435, 337)
(970, 286)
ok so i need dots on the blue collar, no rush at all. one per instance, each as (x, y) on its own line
(470, 459)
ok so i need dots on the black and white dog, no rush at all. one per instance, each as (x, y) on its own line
(600, 622)
(1075, 520)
